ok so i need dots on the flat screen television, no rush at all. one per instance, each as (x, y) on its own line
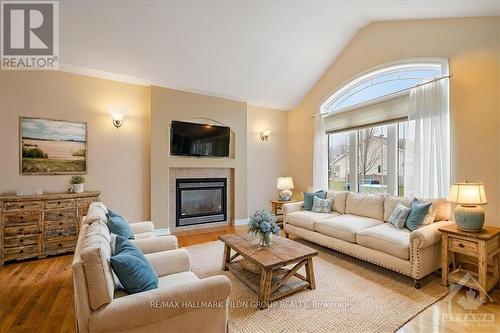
(191, 139)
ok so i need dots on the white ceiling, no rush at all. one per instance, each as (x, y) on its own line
(264, 53)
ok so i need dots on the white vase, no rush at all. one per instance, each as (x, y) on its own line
(78, 188)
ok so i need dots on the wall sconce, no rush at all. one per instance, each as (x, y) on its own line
(265, 134)
(117, 119)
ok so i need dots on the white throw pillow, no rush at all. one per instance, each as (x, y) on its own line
(322, 205)
(399, 215)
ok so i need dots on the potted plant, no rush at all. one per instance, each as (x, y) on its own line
(263, 225)
(78, 183)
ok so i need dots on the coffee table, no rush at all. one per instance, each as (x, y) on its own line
(271, 280)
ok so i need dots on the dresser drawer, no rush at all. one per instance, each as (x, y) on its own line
(22, 205)
(60, 246)
(21, 230)
(21, 252)
(462, 246)
(85, 202)
(61, 203)
(62, 224)
(21, 241)
(68, 233)
(21, 217)
(59, 215)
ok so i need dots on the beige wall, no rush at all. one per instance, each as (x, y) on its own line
(472, 46)
(168, 105)
(266, 160)
(118, 160)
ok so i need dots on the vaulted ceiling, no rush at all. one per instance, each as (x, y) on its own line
(267, 53)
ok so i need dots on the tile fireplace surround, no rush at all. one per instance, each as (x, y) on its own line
(176, 173)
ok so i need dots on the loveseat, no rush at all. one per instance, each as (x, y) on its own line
(357, 226)
(181, 303)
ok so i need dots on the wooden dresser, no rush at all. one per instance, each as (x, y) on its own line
(40, 225)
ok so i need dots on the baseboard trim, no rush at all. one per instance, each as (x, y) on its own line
(162, 231)
(241, 221)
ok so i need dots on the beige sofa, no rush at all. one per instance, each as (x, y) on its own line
(182, 302)
(357, 226)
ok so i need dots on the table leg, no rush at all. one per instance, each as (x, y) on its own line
(265, 288)
(496, 272)
(310, 274)
(226, 257)
(444, 260)
(483, 270)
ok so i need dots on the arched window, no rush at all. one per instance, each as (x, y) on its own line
(365, 120)
(388, 80)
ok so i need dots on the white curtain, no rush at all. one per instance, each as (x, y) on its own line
(320, 160)
(427, 151)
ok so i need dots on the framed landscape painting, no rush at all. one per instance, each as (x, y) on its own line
(52, 147)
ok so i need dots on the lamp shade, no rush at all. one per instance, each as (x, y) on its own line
(467, 194)
(285, 183)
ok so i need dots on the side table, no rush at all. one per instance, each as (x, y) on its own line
(482, 246)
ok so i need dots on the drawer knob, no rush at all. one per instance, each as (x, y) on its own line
(60, 223)
(22, 217)
(460, 245)
(60, 234)
(60, 245)
(21, 230)
(21, 251)
(22, 206)
(60, 214)
(59, 202)
(21, 240)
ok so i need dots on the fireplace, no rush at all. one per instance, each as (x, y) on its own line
(200, 200)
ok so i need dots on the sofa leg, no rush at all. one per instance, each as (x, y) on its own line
(416, 283)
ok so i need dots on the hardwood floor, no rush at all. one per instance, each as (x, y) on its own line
(37, 296)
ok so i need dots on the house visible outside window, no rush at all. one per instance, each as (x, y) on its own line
(366, 126)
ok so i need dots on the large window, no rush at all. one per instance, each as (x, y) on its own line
(366, 120)
(377, 158)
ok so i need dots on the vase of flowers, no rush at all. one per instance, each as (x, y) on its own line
(263, 225)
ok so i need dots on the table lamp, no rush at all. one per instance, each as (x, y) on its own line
(469, 215)
(285, 184)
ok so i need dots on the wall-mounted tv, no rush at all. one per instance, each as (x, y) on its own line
(191, 139)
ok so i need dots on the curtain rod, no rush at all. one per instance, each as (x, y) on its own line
(399, 91)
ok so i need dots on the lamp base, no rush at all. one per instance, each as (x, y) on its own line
(285, 195)
(469, 218)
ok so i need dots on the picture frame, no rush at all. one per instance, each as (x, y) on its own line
(52, 147)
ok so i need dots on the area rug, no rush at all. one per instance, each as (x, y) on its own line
(350, 296)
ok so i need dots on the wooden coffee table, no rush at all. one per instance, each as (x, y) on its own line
(270, 280)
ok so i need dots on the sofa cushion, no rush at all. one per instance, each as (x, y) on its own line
(339, 200)
(118, 225)
(306, 219)
(134, 271)
(322, 205)
(440, 208)
(386, 238)
(96, 253)
(167, 281)
(367, 205)
(391, 202)
(419, 214)
(97, 212)
(345, 227)
(309, 197)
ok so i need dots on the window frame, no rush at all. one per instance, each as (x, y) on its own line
(371, 73)
(393, 166)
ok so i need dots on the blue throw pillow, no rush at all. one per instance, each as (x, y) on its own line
(132, 268)
(118, 225)
(417, 214)
(309, 198)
